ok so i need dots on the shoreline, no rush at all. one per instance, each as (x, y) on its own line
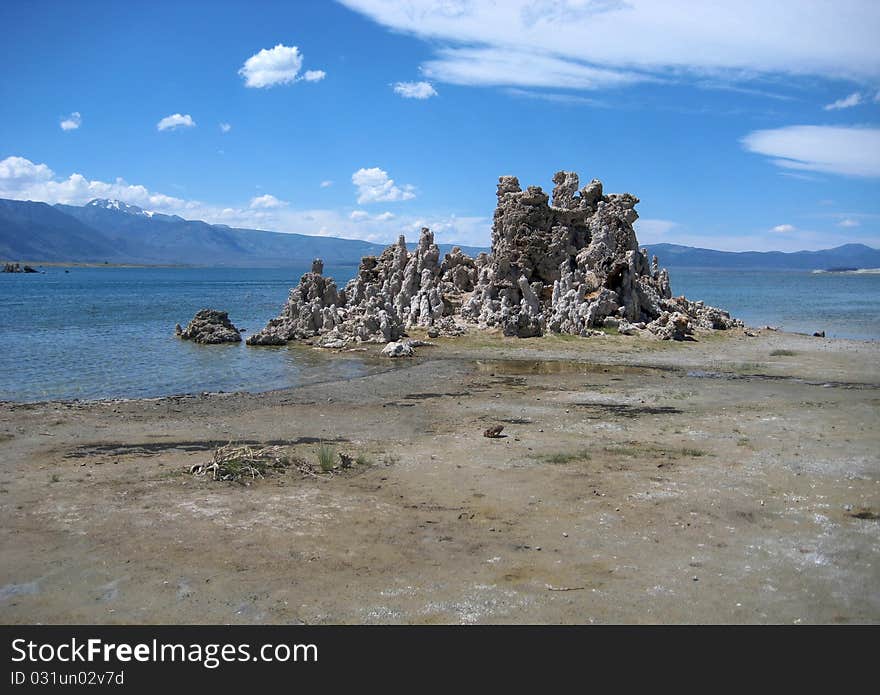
(450, 344)
(704, 482)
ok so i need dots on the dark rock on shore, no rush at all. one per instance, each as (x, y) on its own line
(209, 327)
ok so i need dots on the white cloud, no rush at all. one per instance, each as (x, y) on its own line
(272, 66)
(266, 202)
(415, 90)
(847, 150)
(314, 75)
(784, 228)
(494, 67)
(653, 231)
(175, 121)
(326, 184)
(225, 127)
(363, 215)
(374, 186)
(848, 222)
(555, 97)
(450, 229)
(22, 179)
(275, 66)
(72, 122)
(595, 43)
(18, 171)
(853, 99)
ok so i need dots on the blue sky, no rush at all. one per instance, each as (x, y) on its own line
(740, 125)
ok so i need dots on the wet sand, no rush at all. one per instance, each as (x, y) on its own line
(734, 479)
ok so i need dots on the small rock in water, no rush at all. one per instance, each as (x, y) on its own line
(209, 327)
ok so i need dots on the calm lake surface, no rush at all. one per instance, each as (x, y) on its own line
(109, 332)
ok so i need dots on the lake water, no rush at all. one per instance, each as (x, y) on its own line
(109, 332)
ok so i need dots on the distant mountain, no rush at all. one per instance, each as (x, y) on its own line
(115, 232)
(846, 256)
(39, 232)
(112, 231)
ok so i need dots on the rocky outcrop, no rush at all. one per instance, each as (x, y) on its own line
(209, 327)
(570, 265)
(316, 308)
(17, 268)
(392, 291)
(313, 307)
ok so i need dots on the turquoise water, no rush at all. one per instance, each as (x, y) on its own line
(843, 305)
(109, 332)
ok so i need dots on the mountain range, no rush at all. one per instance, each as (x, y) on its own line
(110, 231)
(846, 256)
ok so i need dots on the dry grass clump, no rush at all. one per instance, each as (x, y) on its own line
(242, 463)
(238, 463)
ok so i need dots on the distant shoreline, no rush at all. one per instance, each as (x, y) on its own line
(353, 264)
(182, 266)
(849, 271)
(74, 264)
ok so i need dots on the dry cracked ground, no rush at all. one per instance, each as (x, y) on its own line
(733, 479)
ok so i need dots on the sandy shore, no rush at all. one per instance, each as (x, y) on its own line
(732, 479)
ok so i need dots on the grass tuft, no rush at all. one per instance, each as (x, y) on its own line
(563, 457)
(326, 457)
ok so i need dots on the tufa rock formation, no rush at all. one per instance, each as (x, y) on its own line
(16, 268)
(209, 327)
(390, 292)
(569, 266)
(572, 265)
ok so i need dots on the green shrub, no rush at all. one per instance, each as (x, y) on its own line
(326, 457)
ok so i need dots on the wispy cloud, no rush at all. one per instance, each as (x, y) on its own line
(72, 122)
(502, 67)
(363, 215)
(555, 97)
(225, 128)
(784, 228)
(653, 230)
(326, 184)
(175, 121)
(588, 44)
(846, 150)
(853, 99)
(415, 90)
